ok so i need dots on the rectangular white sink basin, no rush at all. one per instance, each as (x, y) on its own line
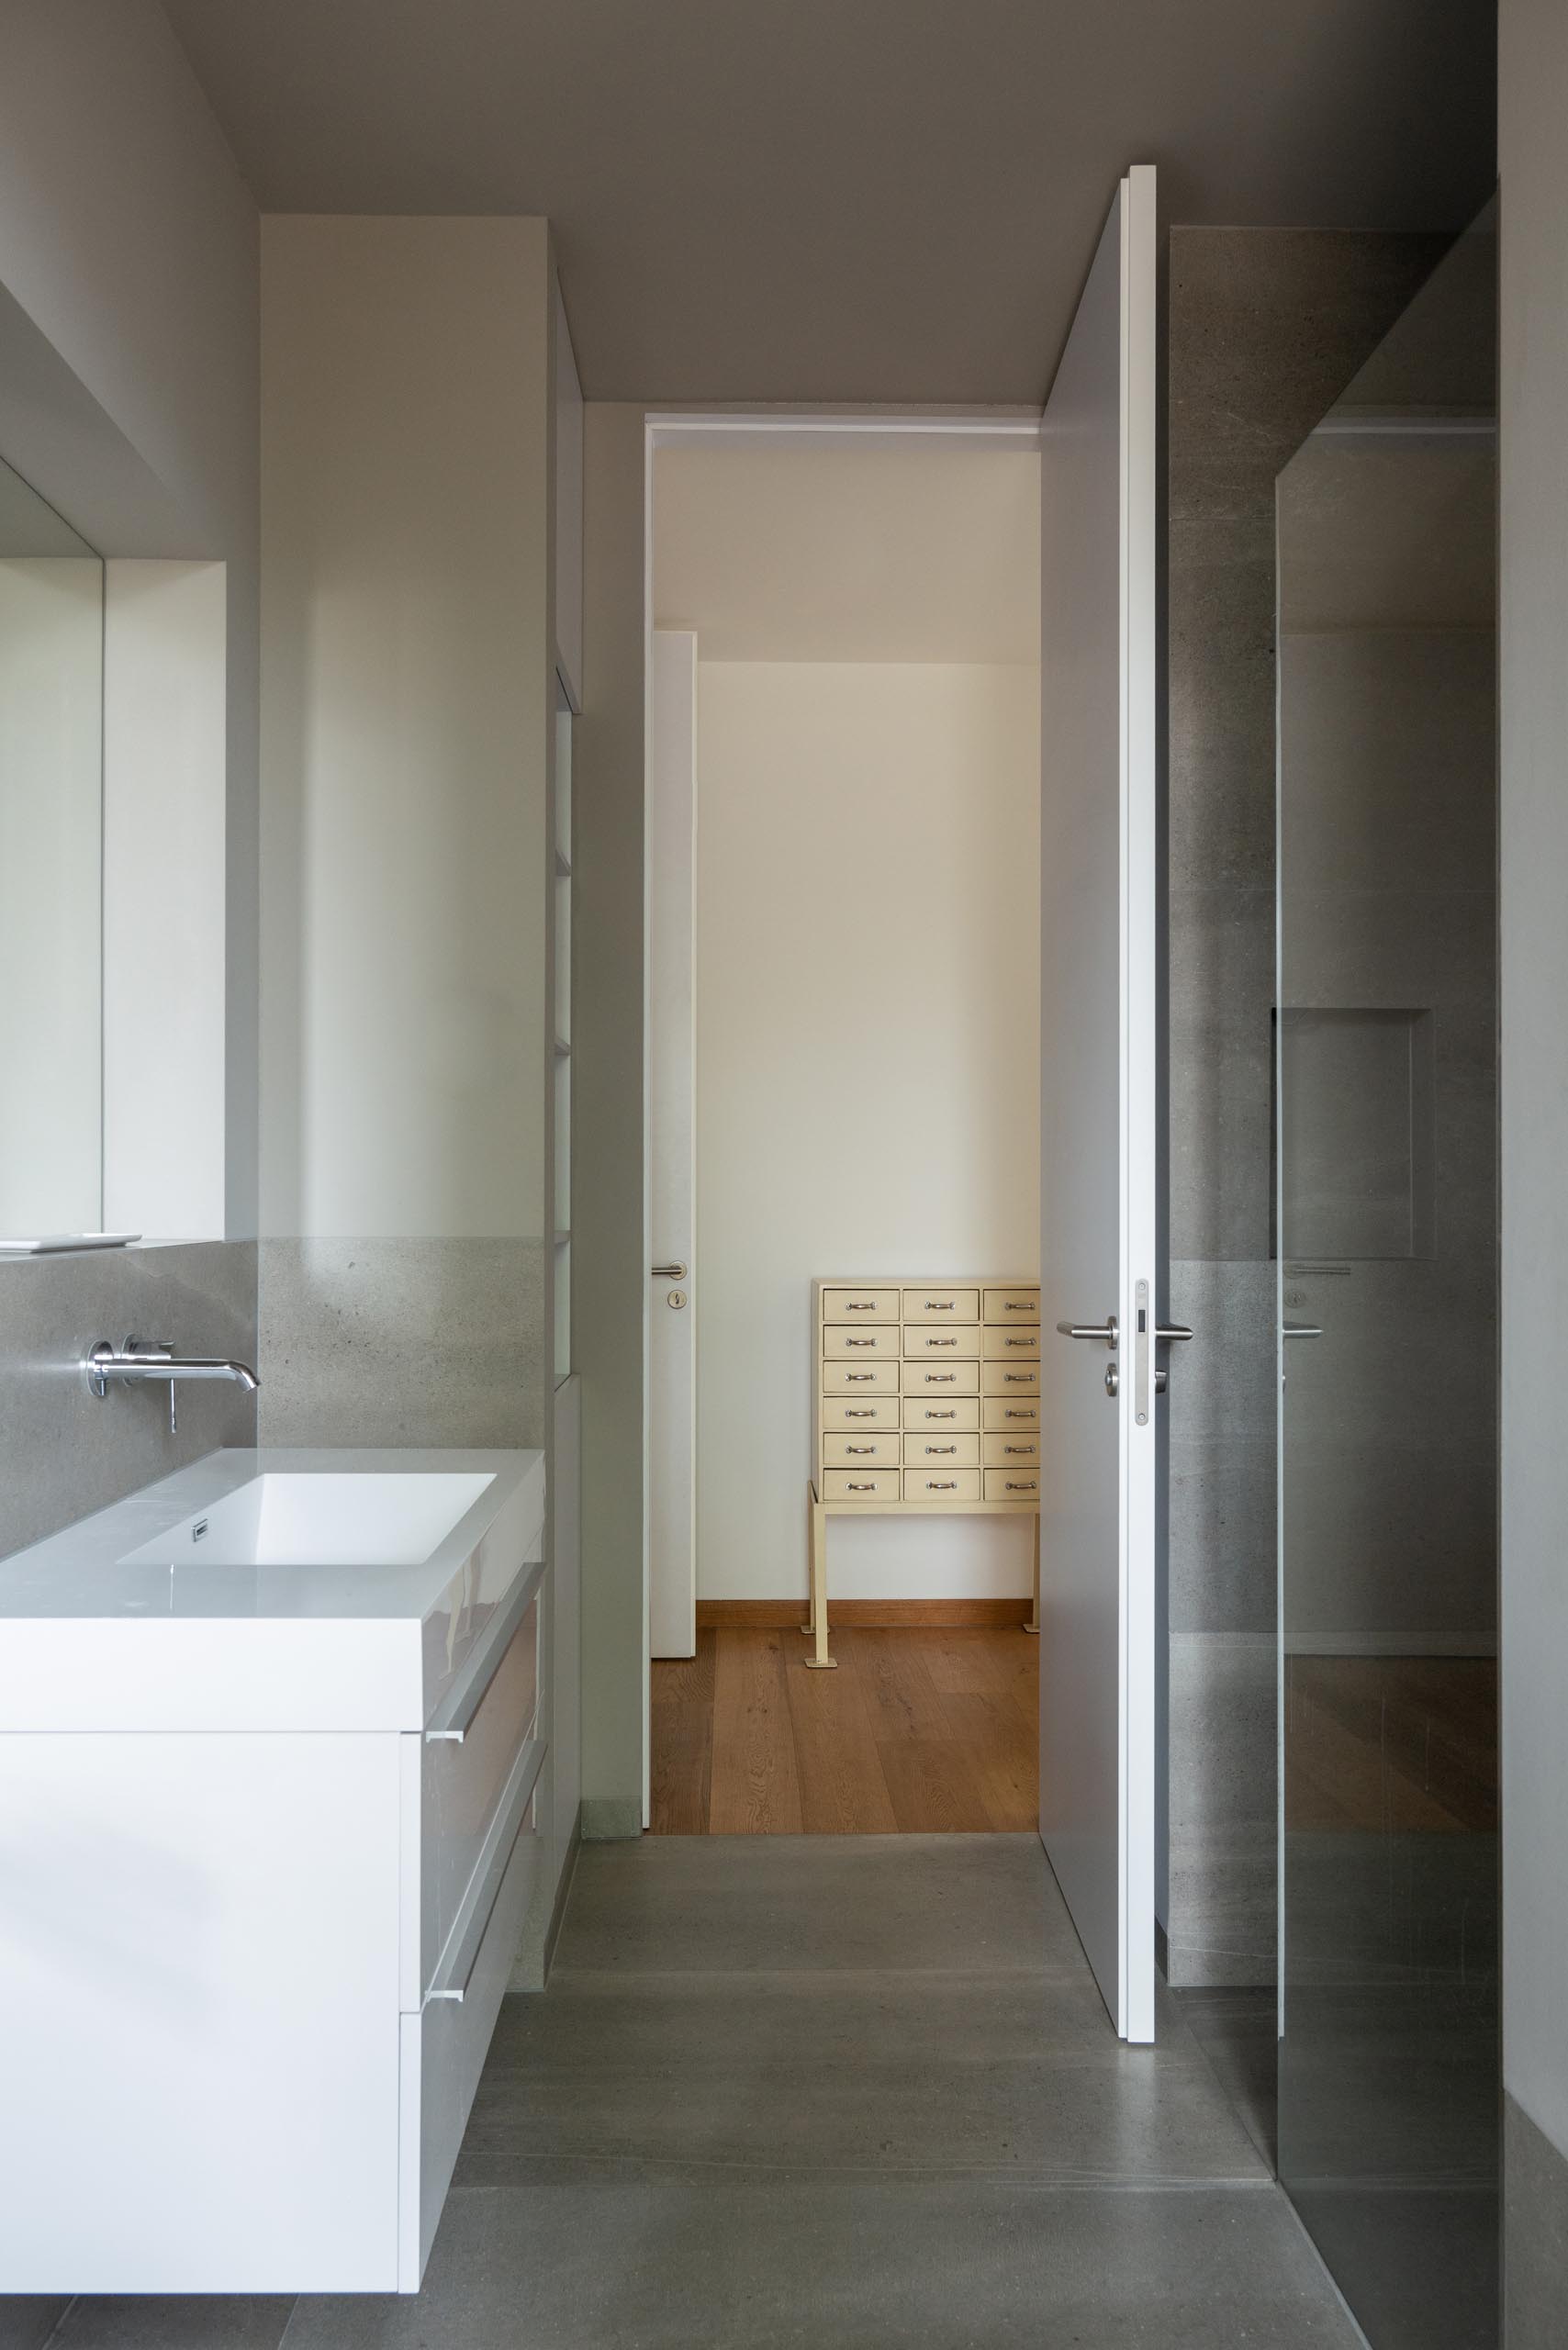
(343, 1518)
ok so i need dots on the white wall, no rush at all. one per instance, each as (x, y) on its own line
(165, 914)
(867, 1085)
(51, 633)
(1534, 793)
(406, 396)
(129, 242)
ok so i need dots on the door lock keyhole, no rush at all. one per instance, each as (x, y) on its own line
(1112, 1378)
(676, 1298)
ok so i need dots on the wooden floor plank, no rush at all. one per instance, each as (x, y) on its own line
(1003, 1757)
(842, 1792)
(681, 1774)
(757, 1788)
(911, 1732)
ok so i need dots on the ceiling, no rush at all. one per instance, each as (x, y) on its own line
(849, 554)
(847, 200)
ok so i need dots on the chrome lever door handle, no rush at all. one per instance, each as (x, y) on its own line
(1172, 1330)
(1105, 1331)
(1302, 1330)
(667, 1272)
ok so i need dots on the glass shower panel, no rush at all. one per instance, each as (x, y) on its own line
(1386, 1233)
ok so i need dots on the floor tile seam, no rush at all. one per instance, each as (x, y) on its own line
(57, 2331)
(1047, 1977)
(682, 2167)
(1086, 2180)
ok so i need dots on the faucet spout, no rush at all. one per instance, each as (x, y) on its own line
(140, 1360)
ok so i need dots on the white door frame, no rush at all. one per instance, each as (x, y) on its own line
(755, 428)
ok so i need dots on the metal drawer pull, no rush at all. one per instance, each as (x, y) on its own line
(859, 1376)
(1017, 1378)
(1028, 1487)
(454, 1969)
(860, 1489)
(1017, 1447)
(941, 1449)
(861, 1415)
(1016, 1305)
(862, 1452)
(861, 1342)
(941, 1484)
(939, 1305)
(1016, 1416)
(455, 1717)
(942, 1416)
(860, 1305)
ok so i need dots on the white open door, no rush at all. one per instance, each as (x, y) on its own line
(671, 1171)
(1098, 1157)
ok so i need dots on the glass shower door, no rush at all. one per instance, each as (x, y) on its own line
(1387, 1227)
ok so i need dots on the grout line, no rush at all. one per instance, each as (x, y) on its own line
(56, 2332)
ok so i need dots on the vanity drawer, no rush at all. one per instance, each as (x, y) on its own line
(1012, 1485)
(941, 1484)
(928, 1378)
(868, 1450)
(444, 2046)
(1015, 1451)
(1006, 1305)
(929, 1448)
(1004, 1342)
(953, 1412)
(461, 1782)
(1009, 1412)
(860, 1305)
(961, 1340)
(845, 1341)
(860, 1484)
(933, 1305)
(1013, 1379)
(871, 1412)
(860, 1378)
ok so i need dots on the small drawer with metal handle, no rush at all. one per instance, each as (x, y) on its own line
(1011, 1306)
(928, 1449)
(860, 1305)
(1018, 1452)
(950, 1412)
(845, 1341)
(958, 1339)
(1012, 1377)
(928, 1378)
(1004, 1342)
(860, 1485)
(929, 1306)
(851, 1378)
(1011, 1412)
(1012, 1485)
(868, 1450)
(932, 1485)
(867, 1412)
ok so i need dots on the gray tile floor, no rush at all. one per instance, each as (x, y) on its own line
(852, 2091)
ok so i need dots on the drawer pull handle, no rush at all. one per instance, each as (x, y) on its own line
(861, 1342)
(941, 1377)
(861, 1452)
(454, 1969)
(859, 1376)
(1028, 1487)
(943, 1342)
(939, 1305)
(940, 1484)
(861, 1415)
(1016, 1305)
(860, 1305)
(455, 1714)
(941, 1449)
(1017, 1447)
(860, 1489)
(1016, 1416)
(942, 1416)
(1017, 1378)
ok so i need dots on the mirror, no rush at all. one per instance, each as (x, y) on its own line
(51, 724)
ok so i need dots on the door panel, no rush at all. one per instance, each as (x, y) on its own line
(671, 1319)
(1098, 1111)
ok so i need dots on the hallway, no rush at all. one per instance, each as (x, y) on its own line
(852, 2092)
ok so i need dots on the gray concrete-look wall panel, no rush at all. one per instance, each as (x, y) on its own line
(65, 1453)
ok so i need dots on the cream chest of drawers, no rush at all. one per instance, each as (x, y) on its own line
(928, 1397)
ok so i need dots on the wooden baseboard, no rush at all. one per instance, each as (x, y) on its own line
(782, 1614)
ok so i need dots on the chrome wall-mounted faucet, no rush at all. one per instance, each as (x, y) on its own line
(141, 1360)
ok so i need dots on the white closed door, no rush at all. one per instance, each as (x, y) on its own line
(671, 1321)
(1098, 1157)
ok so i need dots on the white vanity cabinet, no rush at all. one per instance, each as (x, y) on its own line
(250, 1957)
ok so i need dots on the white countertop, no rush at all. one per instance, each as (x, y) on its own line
(87, 1643)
